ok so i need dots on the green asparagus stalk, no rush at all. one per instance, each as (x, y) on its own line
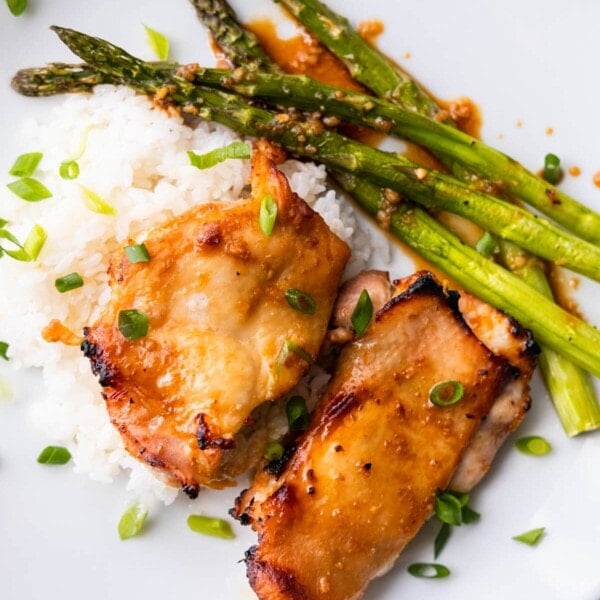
(550, 324)
(372, 69)
(569, 386)
(239, 45)
(432, 189)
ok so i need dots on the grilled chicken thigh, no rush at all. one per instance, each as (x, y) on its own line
(363, 478)
(222, 337)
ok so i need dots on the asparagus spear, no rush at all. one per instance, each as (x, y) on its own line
(372, 69)
(432, 189)
(570, 387)
(305, 93)
(550, 324)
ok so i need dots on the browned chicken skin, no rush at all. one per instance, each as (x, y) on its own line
(185, 397)
(364, 476)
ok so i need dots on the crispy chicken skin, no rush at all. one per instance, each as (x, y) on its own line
(364, 475)
(219, 321)
(507, 338)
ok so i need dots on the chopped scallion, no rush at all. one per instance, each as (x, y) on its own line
(69, 282)
(214, 157)
(273, 451)
(301, 301)
(267, 215)
(4, 350)
(531, 537)
(158, 43)
(69, 169)
(297, 413)
(95, 203)
(486, 245)
(133, 324)
(34, 242)
(132, 521)
(441, 539)
(210, 526)
(25, 164)
(29, 189)
(299, 351)
(54, 455)
(448, 508)
(469, 515)
(362, 313)
(18, 253)
(137, 253)
(17, 7)
(552, 171)
(429, 570)
(446, 393)
(533, 445)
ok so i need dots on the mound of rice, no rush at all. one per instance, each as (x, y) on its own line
(135, 159)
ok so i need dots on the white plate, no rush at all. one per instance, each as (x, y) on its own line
(530, 62)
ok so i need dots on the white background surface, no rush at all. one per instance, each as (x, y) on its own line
(534, 62)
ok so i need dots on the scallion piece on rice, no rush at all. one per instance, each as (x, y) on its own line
(133, 324)
(132, 521)
(267, 215)
(158, 42)
(69, 169)
(362, 313)
(210, 526)
(25, 164)
(18, 252)
(54, 455)
(69, 282)
(209, 159)
(297, 413)
(35, 240)
(29, 189)
(137, 253)
(95, 203)
(4, 350)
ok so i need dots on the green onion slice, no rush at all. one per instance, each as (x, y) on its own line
(69, 282)
(69, 169)
(299, 351)
(552, 171)
(429, 570)
(469, 515)
(132, 521)
(17, 7)
(362, 313)
(133, 324)
(25, 164)
(441, 539)
(18, 253)
(29, 189)
(533, 445)
(3, 350)
(210, 526)
(95, 203)
(273, 451)
(35, 240)
(137, 253)
(54, 455)
(267, 215)
(301, 301)
(486, 245)
(218, 155)
(158, 43)
(531, 537)
(297, 413)
(446, 393)
(448, 508)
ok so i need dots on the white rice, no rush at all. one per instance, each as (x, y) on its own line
(136, 159)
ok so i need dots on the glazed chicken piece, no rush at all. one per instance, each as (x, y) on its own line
(222, 337)
(364, 476)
